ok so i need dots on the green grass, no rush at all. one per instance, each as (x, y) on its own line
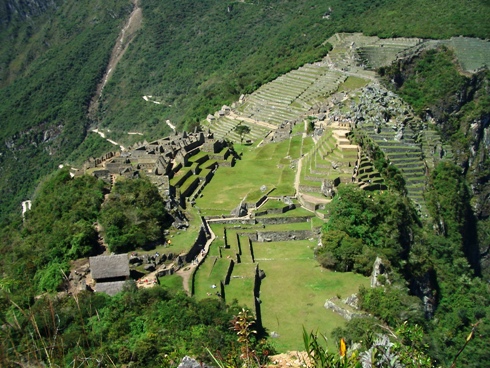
(198, 157)
(272, 204)
(258, 166)
(171, 282)
(295, 147)
(298, 128)
(306, 290)
(182, 240)
(298, 211)
(352, 83)
(308, 144)
(241, 284)
(293, 292)
(209, 273)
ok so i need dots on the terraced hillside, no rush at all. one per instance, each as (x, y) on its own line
(380, 116)
(264, 259)
(266, 203)
(359, 51)
(472, 53)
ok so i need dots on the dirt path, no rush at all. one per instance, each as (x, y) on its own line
(298, 175)
(187, 272)
(127, 34)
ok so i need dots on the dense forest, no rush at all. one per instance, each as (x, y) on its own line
(192, 57)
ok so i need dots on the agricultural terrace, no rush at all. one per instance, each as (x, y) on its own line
(274, 242)
(294, 289)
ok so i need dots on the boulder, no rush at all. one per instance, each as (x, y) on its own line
(188, 362)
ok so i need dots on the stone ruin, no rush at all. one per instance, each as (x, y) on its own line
(282, 133)
(159, 159)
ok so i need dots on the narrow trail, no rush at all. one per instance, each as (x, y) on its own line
(187, 272)
(127, 34)
(108, 140)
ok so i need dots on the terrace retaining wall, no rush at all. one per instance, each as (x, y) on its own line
(275, 236)
(283, 220)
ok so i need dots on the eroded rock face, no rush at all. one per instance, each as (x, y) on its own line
(23, 9)
(379, 270)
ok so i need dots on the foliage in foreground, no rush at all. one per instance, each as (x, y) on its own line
(144, 328)
(440, 257)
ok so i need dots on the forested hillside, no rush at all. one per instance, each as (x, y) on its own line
(187, 59)
(49, 68)
(193, 56)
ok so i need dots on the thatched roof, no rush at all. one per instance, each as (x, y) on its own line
(106, 267)
(111, 288)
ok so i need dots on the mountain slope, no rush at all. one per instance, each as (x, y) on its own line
(192, 56)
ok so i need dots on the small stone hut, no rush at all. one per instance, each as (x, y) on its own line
(109, 272)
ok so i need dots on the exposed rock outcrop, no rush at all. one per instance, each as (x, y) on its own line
(23, 9)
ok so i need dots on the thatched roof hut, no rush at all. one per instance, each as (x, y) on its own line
(109, 267)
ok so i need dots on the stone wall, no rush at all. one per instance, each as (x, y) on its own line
(259, 275)
(229, 271)
(228, 219)
(198, 245)
(309, 188)
(283, 220)
(275, 236)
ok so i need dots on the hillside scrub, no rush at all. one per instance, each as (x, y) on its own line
(49, 68)
(442, 256)
(57, 229)
(133, 216)
(363, 225)
(144, 328)
(431, 82)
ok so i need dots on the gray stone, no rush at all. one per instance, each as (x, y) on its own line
(188, 362)
(378, 269)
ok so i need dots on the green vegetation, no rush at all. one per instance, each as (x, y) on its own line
(431, 80)
(291, 274)
(43, 110)
(442, 255)
(241, 130)
(257, 167)
(192, 57)
(352, 83)
(56, 230)
(362, 225)
(133, 216)
(149, 327)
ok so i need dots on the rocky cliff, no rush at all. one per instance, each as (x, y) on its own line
(458, 104)
(22, 9)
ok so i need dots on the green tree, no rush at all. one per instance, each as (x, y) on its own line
(242, 130)
(133, 216)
